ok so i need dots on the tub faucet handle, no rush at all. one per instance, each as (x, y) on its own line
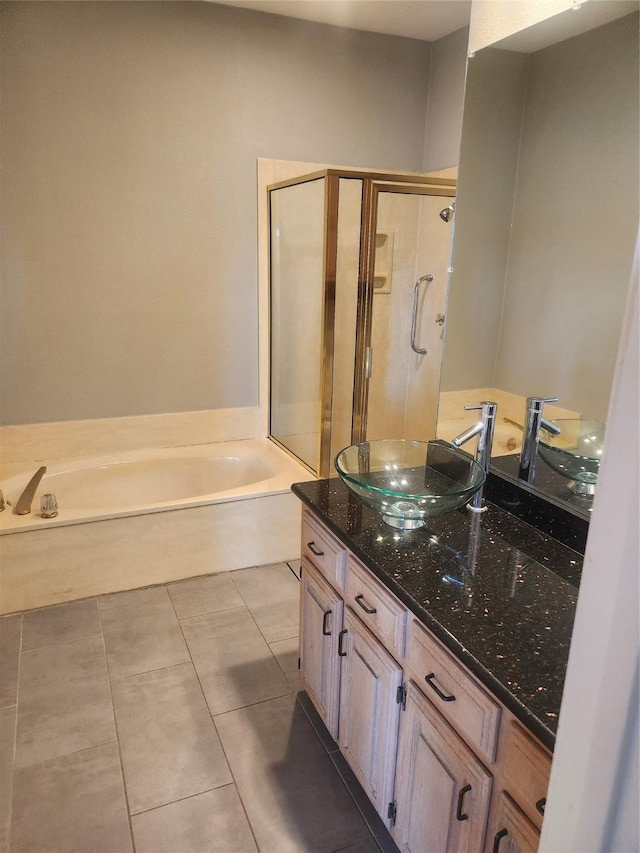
(2, 503)
(48, 506)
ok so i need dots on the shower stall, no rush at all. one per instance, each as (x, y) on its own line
(358, 285)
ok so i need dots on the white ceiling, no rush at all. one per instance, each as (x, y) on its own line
(420, 19)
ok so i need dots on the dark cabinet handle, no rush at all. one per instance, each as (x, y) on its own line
(325, 616)
(429, 679)
(459, 813)
(340, 636)
(312, 547)
(541, 804)
(369, 610)
(498, 838)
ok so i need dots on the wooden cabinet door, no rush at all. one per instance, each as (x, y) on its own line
(510, 831)
(321, 611)
(442, 791)
(369, 711)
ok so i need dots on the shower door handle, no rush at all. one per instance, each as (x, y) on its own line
(414, 317)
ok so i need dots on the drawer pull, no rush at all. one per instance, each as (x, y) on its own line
(340, 636)
(498, 838)
(312, 547)
(460, 815)
(429, 679)
(369, 610)
(325, 615)
(541, 804)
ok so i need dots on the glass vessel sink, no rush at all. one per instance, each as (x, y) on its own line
(575, 453)
(408, 482)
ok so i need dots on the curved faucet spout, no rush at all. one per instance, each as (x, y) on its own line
(23, 505)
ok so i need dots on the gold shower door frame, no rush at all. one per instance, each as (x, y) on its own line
(372, 185)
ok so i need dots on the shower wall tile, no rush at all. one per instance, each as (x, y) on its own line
(65, 702)
(72, 803)
(170, 747)
(204, 595)
(213, 822)
(141, 632)
(272, 595)
(10, 639)
(234, 663)
(60, 624)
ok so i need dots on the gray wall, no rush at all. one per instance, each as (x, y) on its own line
(130, 133)
(446, 99)
(546, 219)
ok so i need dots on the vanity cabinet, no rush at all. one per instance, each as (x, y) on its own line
(446, 764)
(321, 610)
(369, 711)
(443, 791)
(509, 830)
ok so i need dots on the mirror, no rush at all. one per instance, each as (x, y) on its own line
(545, 227)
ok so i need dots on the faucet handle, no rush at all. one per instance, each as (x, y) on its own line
(2, 503)
(48, 506)
(540, 401)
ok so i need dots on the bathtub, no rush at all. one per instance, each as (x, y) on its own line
(148, 516)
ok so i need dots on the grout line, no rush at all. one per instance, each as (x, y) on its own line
(115, 725)
(215, 728)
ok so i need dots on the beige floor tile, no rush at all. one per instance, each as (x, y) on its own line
(234, 663)
(286, 652)
(170, 747)
(272, 595)
(294, 798)
(141, 632)
(65, 703)
(10, 634)
(71, 804)
(213, 822)
(7, 746)
(204, 595)
(60, 624)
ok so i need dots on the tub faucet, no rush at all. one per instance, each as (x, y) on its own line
(484, 430)
(533, 420)
(23, 506)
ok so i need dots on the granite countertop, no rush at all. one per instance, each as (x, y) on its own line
(498, 592)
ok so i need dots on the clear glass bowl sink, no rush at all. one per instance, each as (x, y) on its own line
(575, 453)
(408, 482)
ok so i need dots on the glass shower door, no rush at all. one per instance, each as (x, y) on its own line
(410, 260)
(297, 298)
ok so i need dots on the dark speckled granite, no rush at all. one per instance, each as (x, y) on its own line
(498, 592)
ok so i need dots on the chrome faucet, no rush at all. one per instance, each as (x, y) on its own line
(23, 506)
(533, 420)
(484, 430)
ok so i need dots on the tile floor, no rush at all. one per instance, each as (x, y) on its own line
(165, 720)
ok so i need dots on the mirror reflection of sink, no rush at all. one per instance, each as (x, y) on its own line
(408, 482)
(575, 452)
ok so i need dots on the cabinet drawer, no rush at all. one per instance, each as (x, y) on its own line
(326, 552)
(526, 772)
(458, 698)
(378, 608)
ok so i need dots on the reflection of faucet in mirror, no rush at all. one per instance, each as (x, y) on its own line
(484, 430)
(533, 420)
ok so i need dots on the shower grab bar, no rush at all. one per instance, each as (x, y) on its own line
(414, 316)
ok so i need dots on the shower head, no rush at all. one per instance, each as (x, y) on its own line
(447, 213)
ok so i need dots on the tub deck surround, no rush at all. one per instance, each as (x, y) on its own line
(510, 624)
(152, 480)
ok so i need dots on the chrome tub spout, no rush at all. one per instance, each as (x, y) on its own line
(23, 506)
